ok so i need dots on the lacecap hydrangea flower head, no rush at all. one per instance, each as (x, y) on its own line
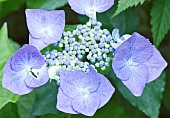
(78, 56)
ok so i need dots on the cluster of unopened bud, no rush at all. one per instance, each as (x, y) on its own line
(86, 45)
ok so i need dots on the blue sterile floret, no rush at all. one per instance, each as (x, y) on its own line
(25, 70)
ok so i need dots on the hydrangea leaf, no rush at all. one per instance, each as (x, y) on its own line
(160, 20)
(25, 104)
(10, 6)
(124, 4)
(52, 116)
(70, 27)
(46, 97)
(152, 94)
(15, 44)
(46, 4)
(6, 50)
(2, 0)
(126, 22)
(9, 111)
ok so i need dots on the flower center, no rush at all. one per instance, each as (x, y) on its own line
(28, 69)
(92, 9)
(46, 32)
(130, 62)
(85, 92)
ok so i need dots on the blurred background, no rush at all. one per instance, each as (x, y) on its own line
(135, 19)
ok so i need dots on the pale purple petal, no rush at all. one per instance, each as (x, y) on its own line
(13, 81)
(86, 6)
(125, 37)
(103, 5)
(86, 105)
(28, 56)
(120, 64)
(72, 81)
(45, 25)
(155, 65)
(38, 43)
(115, 34)
(124, 46)
(80, 6)
(105, 90)
(69, 82)
(138, 79)
(140, 48)
(93, 79)
(64, 103)
(39, 78)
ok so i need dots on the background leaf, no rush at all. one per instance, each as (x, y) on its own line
(6, 50)
(124, 4)
(160, 20)
(46, 4)
(9, 111)
(25, 104)
(126, 22)
(46, 99)
(10, 6)
(150, 101)
(52, 116)
(2, 0)
(70, 27)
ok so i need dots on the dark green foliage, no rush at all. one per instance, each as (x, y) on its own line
(6, 50)
(160, 20)
(46, 99)
(150, 101)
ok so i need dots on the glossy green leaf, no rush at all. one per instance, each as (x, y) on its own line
(10, 6)
(46, 99)
(70, 27)
(15, 45)
(150, 101)
(46, 4)
(9, 111)
(160, 20)
(124, 4)
(6, 50)
(25, 104)
(52, 116)
(2, 0)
